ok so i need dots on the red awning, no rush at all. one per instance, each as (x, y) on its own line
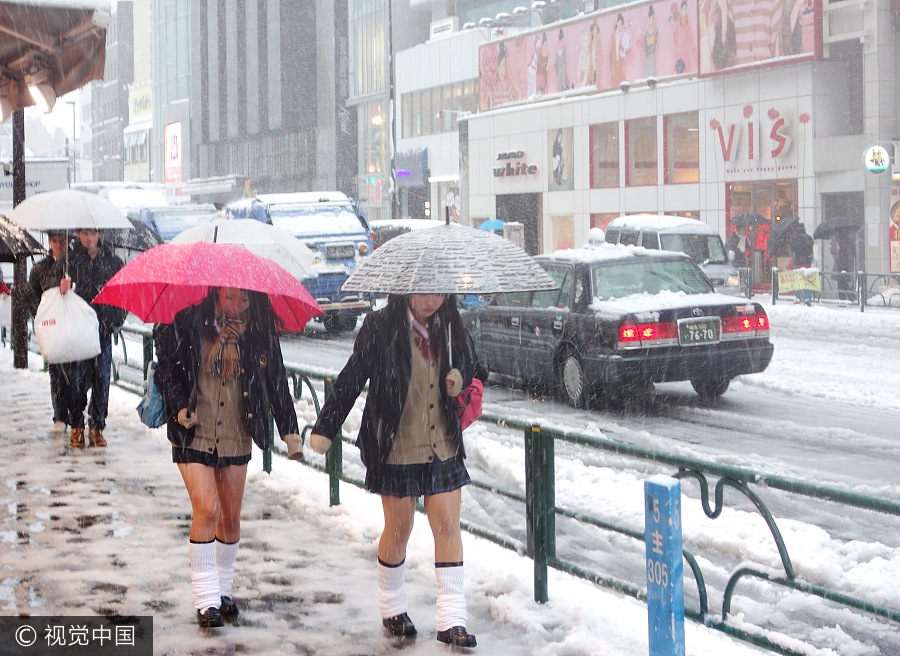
(63, 39)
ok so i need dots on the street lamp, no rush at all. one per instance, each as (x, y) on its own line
(73, 177)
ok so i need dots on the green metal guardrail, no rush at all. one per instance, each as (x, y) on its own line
(541, 512)
(541, 508)
(850, 288)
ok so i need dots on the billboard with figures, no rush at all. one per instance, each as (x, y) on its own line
(747, 33)
(630, 44)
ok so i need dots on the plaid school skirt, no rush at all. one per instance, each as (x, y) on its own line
(418, 480)
(189, 455)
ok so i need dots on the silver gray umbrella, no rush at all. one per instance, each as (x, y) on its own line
(259, 238)
(448, 259)
(68, 209)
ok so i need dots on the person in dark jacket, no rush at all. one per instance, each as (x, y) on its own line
(90, 265)
(842, 254)
(739, 243)
(220, 372)
(410, 441)
(802, 248)
(42, 278)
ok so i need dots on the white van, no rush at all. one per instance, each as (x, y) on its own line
(675, 233)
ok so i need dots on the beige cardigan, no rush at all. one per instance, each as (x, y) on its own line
(423, 433)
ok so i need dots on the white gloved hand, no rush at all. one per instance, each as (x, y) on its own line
(454, 383)
(294, 446)
(319, 443)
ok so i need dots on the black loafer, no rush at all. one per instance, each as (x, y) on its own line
(229, 609)
(210, 618)
(400, 625)
(457, 636)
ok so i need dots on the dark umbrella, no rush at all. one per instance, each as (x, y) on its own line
(15, 241)
(831, 227)
(141, 238)
(782, 228)
(748, 219)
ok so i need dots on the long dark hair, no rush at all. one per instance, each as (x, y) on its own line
(446, 315)
(261, 318)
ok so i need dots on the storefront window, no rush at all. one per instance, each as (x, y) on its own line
(760, 205)
(422, 113)
(640, 152)
(562, 232)
(427, 116)
(682, 148)
(604, 155)
(602, 220)
(433, 119)
(406, 104)
(446, 103)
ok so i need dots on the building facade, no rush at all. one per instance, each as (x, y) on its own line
(267, 97)
(109, 98)
(624, 111)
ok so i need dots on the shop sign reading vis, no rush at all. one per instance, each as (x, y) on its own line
(877, 159)
(511, 169)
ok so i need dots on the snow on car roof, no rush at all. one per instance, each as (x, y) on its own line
(607, 253)
(646, 307)
(303, 197)
(410, 224)
(661, 221)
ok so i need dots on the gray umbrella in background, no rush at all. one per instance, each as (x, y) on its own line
(448, 259)
(142, 238)
(15, 240)
(259, 238)
(748, 219)
(837, 225)
(68, 209)
(783, 228)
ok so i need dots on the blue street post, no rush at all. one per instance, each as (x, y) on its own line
(665, 569)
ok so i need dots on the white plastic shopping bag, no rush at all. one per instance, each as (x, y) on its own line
(66, 327)
(5, 310)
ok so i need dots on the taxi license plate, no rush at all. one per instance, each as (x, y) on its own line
(699, 331)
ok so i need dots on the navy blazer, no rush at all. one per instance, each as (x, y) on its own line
(381, 356)
(263, 377)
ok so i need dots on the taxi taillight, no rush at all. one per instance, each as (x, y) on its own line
(745, 323)
(636, 334)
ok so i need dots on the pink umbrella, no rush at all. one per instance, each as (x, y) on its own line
(170, 277)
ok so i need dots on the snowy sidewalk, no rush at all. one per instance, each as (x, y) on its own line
(104, 531)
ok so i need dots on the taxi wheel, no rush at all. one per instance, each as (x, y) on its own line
(710, 388)
(572, 381)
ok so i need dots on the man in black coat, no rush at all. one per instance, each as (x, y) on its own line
(802, 248)
(42, 278)
(90, 266)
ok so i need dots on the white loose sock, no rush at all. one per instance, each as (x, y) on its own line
(451, 601)
(204, 576)
(225, 555)
(391, 595)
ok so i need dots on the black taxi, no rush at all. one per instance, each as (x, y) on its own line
(623, 318)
